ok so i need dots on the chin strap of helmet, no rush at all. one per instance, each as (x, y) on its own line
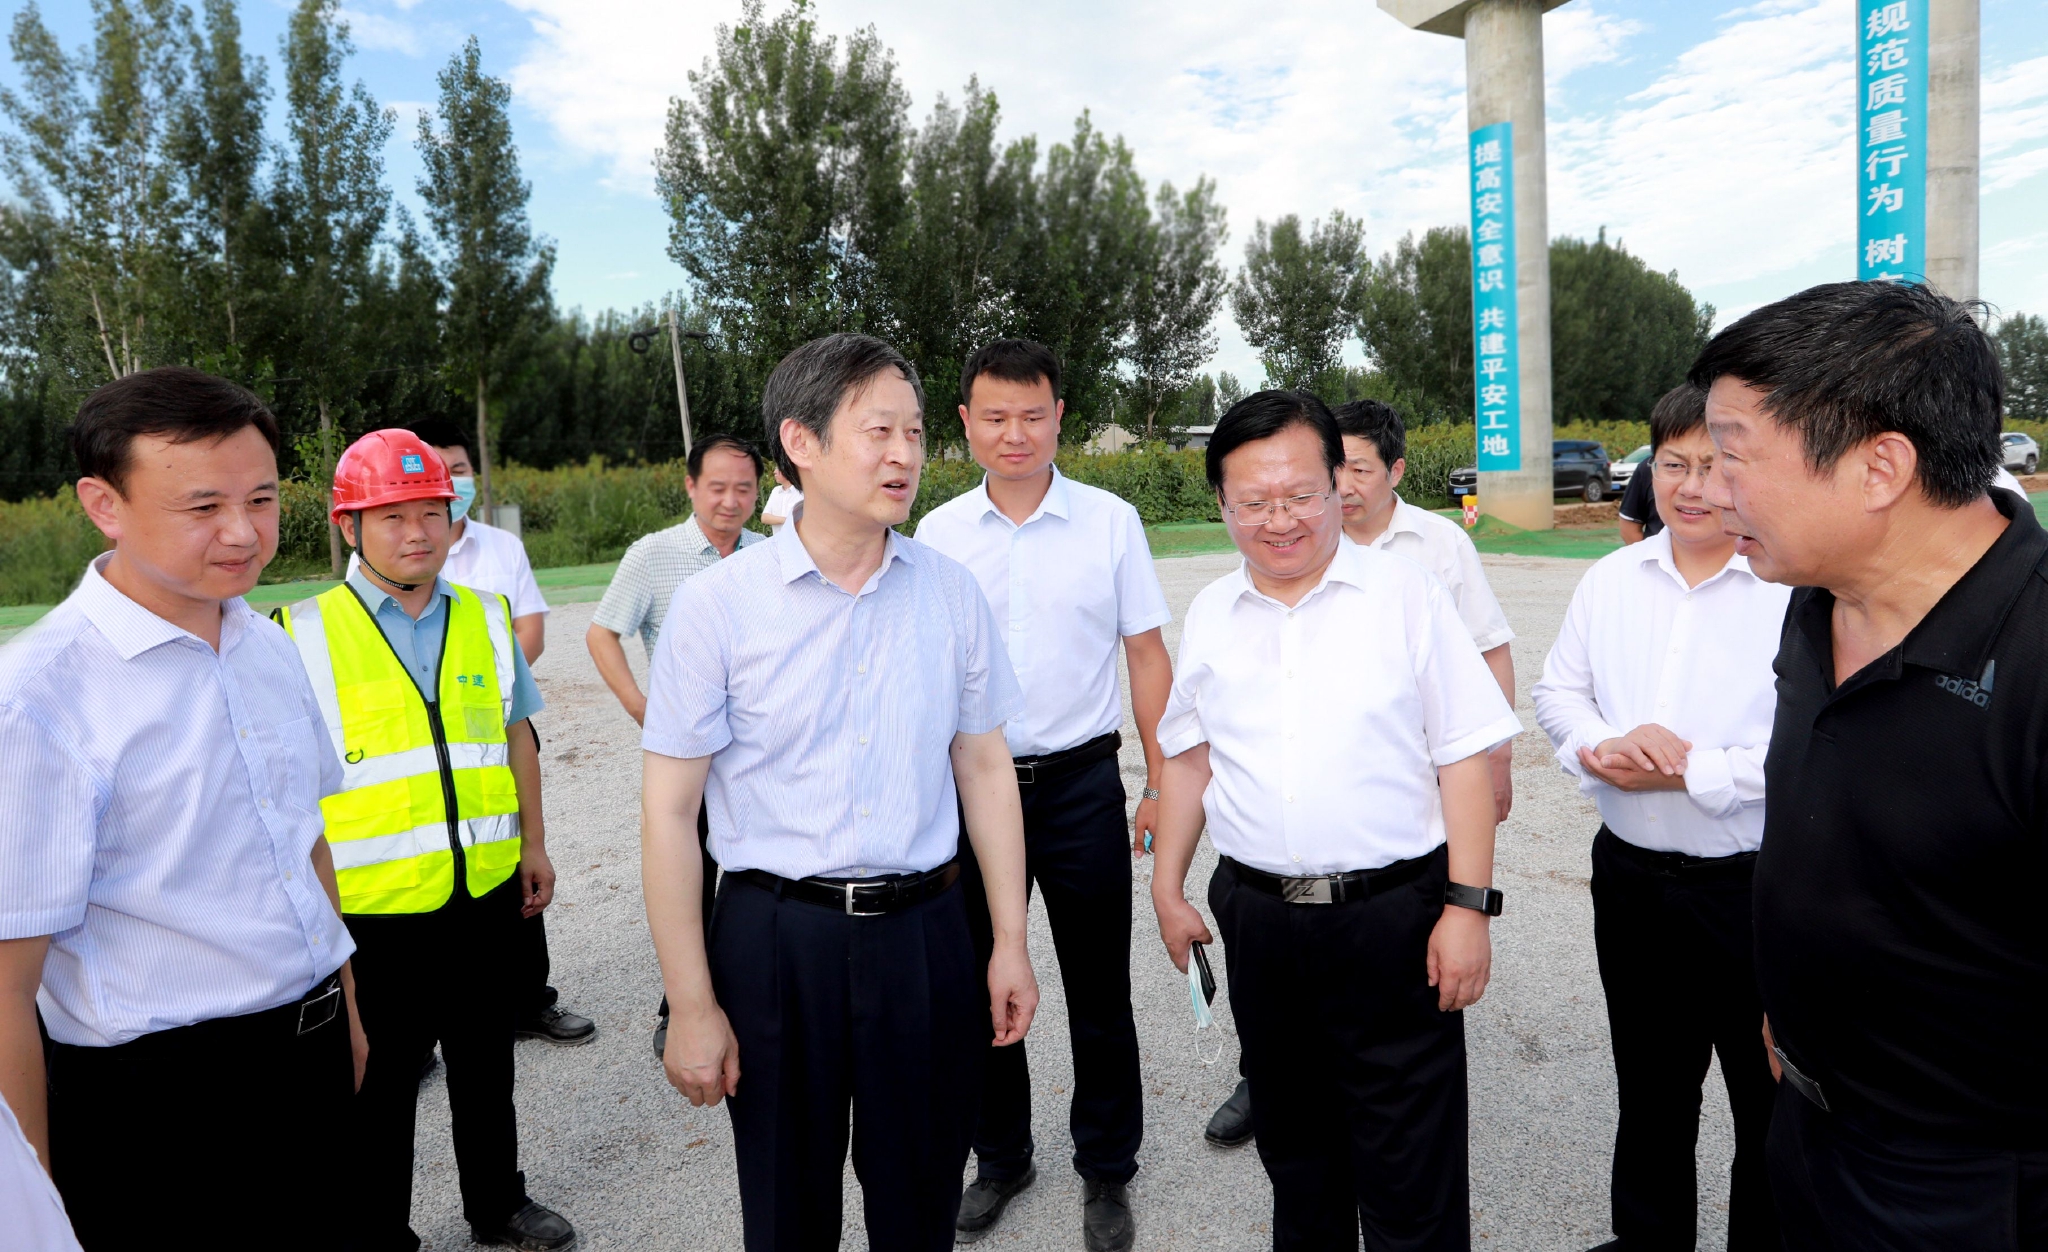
(381, 575)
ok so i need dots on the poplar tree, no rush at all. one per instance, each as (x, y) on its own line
(1293, 298)
(329, 201)
(216, 137)
(494, 271)
(1176, 300)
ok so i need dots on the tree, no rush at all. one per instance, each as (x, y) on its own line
(2022, 342)
(1621, 334)
(1414, 315)
(1293, 296)
(216, 137)
(329, 203)
(782, 171)
(1086, 252)
(494, 271)
(95, 166)
(1175, 307)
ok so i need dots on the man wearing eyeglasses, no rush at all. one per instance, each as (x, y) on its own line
(1330, 720)
(1658, 697)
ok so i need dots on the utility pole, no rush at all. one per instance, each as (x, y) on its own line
(675, 343)
(1952, 148)
(1507, 178)
(1916, 143)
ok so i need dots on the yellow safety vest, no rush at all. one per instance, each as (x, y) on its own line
(426, 786)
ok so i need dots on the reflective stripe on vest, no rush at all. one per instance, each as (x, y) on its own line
(395, 845)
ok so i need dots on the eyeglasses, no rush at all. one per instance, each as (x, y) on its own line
(1259, 512)
(1679, 471)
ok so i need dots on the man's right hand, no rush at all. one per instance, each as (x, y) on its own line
(1180, 924)
(702, 1058)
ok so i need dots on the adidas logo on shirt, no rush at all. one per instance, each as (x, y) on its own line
(1977, 693)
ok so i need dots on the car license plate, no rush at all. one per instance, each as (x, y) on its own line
(1460, 490)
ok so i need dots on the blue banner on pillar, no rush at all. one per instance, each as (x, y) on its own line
(1891, 140)
(1497, 384)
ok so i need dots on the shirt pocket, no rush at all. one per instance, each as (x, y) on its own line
(291, 750)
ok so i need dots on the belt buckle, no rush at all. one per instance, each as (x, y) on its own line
(317, 1012)
(1027, 773)
(1306, 890)
(849, 901)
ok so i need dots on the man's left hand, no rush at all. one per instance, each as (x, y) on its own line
(536, 880)
(1143, 823)
(1621, 773)
(1012, 993)
(1460, 958)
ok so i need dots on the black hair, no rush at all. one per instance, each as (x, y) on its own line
(1377, 423)
(812, 382)
(439, 432)
(1844, 362)
(1014, 361)
(1677, 413)
(694, 463)
(173, 402)
(1264, 414)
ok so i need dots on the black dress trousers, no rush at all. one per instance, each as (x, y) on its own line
(1358, 1079)
(421, 978)
(873, 1025)
(228, 1132)
(1677, 962)
(1077, 854)
(1853, 1180)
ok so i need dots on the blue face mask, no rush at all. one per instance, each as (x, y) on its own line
(465, 495)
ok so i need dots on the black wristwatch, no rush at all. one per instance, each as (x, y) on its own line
(1480, 899)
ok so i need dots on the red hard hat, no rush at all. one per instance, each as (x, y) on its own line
(385, 467)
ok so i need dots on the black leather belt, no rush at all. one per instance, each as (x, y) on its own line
(1038, 769)
(857, 897)
(1682, 865)
(1347, 888)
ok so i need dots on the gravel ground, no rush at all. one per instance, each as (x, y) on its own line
(605, 1140)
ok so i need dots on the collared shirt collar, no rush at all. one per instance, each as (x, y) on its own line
(1956, 635)
(1056, 501)
(134, 630)
(469, 525)
(1403, 520)
(1657, 550)
(1347, 566)
(375, 597)
(794, 560)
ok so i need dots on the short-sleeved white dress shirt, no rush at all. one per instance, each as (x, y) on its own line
(485, 558)
(828, 716)
(1638, 646)
(1442, 547)
(1066, 587)
(1326, 722)
(162, 803)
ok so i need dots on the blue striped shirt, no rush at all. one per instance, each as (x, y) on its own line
(161, 805)
(828, 716)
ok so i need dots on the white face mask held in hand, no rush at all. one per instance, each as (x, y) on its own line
(1202, 991)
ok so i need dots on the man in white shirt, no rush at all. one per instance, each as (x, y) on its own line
(490, 559)
(836, 698)
(722, 477)
(781, 504)
(1330, 720)
(170, 914)
(1658, 696)
(1069, 576)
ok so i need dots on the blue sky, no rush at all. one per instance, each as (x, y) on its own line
(1713, 139)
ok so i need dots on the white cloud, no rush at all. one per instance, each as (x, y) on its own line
(2014, 117)
(376, 32)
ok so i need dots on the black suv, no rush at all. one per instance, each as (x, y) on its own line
(1578, 467)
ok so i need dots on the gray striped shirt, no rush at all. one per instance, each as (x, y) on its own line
(648, 575)
(161, 806)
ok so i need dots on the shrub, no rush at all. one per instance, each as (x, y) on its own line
(44, 547)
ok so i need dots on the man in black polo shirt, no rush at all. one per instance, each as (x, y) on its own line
(1901, 956)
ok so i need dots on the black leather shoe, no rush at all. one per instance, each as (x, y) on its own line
(1231, 1126)
(533, 1229)
(557, 1025)
(982, 1204)
(1106, 1216)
